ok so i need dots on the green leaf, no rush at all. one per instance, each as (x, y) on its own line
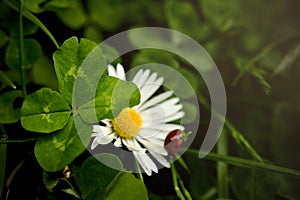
(38, 6)
(6, 81)
(110, 53)
(49, 181)
(83, 129)
(58, 4)
(112, 96)
(67, 60)
(127, 186)
(44, 111)
(93, 34)
(32, 51)
(3, 38)
(99, 181)
(12, 25)
(34, 5)
(94, 176)
(108, 15)
(42, 73)
(55, 151)
(73, 16)
(254, 184)
(8, 114)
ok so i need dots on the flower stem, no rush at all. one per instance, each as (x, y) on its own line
(246, 163)
(21, 50)
(185, 191)
(183, 164)
(175, 182)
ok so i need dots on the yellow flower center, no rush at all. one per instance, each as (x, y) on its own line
(128, 123)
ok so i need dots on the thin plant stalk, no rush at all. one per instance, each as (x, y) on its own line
(34, 19)
(246, 163)
(175, 182)
(21, 50)
(185, 191)
(222, 168)
(18, 141)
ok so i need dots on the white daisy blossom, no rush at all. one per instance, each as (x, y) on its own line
(143, 128)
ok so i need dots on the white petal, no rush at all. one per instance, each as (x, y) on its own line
(133, 145)
(146, 163)
(175, 117)
(94, 144)
(148, 133)
(97, 128)
(138, 76)
(153, 145)
(167, 112)
(164, 128)
(147, 90)
(142, 78)
(157, 99)
(118, 142)
(102, 130)
(171, 127)
(121, 72)
(170, 102)
(162, 160)
(112, 71)
(103, 140)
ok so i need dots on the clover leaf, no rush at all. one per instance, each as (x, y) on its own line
(44, 111)
(84, 89)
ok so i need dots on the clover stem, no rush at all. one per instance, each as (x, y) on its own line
(21, 50)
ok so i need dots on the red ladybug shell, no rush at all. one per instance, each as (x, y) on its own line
(173, 141)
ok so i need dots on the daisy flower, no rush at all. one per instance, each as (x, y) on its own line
(143, 128)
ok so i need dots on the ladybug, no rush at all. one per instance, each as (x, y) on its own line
(173, 141)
